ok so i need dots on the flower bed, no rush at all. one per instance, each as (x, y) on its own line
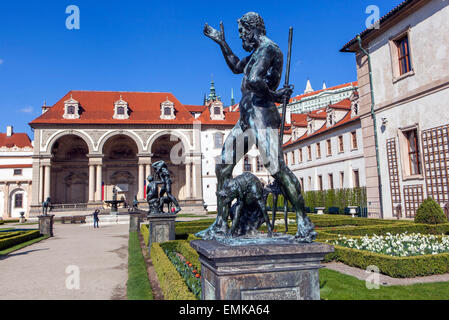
(399, 245)
(186, 269)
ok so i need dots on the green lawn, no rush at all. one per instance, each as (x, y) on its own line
(138, 286)
(338, 286)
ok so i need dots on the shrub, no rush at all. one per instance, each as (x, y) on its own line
(430, 212)
(396, 267)
(145, 233)
(23, 237)
(172, 284)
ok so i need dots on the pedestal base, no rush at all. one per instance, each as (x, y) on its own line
(134, 222)
(161, 227)
(46, 225)
(260, 272)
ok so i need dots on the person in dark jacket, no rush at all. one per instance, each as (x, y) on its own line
(96, 219)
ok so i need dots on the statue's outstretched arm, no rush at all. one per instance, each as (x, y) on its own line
(235, 64)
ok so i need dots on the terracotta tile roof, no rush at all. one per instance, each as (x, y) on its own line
(346, 119)
(396, 10)
(191, 108)
(20, 140)
(344, 105)
(98, 108)
(231, 118)
(299, 119)
(15, 166)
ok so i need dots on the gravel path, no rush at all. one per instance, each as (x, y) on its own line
(384, 280)
(43, 270)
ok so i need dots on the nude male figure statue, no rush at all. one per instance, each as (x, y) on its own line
(259, 120)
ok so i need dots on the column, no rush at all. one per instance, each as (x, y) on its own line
(140, 192)
(91, 183)
(188, 180)
(47, 171)
(99, 182)
(40, 186)
(147, 170)
(194, 182)
(6, 202)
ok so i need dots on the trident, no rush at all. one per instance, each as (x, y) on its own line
(286, 84)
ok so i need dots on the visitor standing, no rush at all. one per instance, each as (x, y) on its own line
(95, 214)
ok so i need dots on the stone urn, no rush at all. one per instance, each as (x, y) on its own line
(22, 217)
(353, 211)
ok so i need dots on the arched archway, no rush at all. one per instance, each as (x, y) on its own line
(173, 153)
(120, 167)
(69, 170)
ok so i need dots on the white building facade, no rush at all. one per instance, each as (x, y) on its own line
(16, 151)
(410, 90)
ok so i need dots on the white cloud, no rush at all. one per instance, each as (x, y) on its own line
(1, 61)
(27, 110)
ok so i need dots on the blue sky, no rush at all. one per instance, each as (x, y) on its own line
(159, 47)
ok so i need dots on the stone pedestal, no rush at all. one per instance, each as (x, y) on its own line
(134, 222)
(161, 228)
(46, 225)
(260, 272)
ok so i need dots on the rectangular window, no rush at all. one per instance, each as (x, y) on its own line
(300, 155)
(331, 181)
(404, 60)
(17, 172)
(247, 164)
(413, 151)
(354, 140)
(318, 150)
(309, 152)
(301, 181)
(259, 164)
(167, 111)
(293, 157)
(356, 179)
(18, 200)
(310, 183)
(218, 139)
(320, 183)
(342, 179)
(329, 147)
(341, 147)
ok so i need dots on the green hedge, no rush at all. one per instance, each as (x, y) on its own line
(145, 233)
(24, 236)
(396, 267)
(340, 198)
(393, 229)
(172, 284)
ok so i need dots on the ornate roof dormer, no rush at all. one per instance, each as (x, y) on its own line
(355, 107)
(330, 119)
(71, 109)
(216, 110)
(121, 109)
(168, 110)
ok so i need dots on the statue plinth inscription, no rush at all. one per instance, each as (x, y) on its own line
(260, 272)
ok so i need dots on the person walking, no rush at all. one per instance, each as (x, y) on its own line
(96, 219)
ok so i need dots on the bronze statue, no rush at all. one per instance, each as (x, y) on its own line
(162, 172)
(259, 120)
(45, 206)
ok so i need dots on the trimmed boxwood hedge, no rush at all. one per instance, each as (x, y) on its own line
(24, 236)
(172, 284)
(145, 233)
(396, 267)
(393, 229)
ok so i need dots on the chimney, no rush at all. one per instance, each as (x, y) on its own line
(9, 131)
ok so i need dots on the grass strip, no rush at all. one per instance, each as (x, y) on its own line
(138, 286)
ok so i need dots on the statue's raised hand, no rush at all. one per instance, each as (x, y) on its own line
(217, 36)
